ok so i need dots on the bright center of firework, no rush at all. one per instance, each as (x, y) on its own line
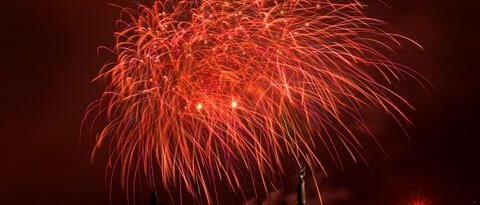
(234, 104)
(199, 106)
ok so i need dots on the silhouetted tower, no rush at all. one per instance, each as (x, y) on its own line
(301, 195)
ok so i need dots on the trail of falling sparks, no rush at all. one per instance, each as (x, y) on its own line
(202, 90)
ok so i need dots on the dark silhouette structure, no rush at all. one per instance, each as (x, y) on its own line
(301, 195)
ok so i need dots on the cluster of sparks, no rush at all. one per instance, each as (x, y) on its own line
(209, 91)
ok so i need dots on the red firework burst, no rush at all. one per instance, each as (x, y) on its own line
(202, 89)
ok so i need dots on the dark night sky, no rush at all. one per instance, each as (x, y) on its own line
(49, 55)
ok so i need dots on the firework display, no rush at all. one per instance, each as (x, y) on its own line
(210, 93)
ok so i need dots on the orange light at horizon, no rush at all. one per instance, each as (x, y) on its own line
(420, 202)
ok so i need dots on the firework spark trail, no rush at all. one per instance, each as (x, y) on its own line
(203, 89)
